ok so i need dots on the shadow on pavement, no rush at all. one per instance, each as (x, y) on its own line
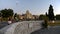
(3, 24)
(51, 30)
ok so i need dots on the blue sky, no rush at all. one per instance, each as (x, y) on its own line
(36, 7)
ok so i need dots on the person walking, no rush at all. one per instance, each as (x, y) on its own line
(44, 24)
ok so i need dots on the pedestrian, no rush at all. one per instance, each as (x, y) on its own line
(44, 24)
(9, 21)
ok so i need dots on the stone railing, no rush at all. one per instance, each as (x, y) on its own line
(25, 27)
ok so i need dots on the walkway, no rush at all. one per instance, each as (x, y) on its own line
(51, 30)
(25, 27)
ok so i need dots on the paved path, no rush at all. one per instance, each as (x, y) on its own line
(50, 30)
(3, 24)
(25, 27)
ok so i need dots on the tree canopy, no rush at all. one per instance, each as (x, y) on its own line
(7, 12)
(43, 17)
(57, 17)
(51, 13)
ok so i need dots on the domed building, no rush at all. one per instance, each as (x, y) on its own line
(28, 15)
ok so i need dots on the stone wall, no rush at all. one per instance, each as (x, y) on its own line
(25, 27)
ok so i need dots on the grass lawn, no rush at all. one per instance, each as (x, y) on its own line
(53, 24)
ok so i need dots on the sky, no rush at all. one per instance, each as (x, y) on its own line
(36, 7)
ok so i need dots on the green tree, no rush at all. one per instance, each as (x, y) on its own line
(0, 14)
(16, 17)
(57, 17)
(10, 12)
(43, 17)
(46, 14)
(51, 13)
(7, 12)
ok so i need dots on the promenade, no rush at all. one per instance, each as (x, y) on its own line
(49, 30)
(29, 27)
(24, 27)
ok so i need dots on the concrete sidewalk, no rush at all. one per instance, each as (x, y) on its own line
(50, 30)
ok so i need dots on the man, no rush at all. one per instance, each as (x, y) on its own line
(44, 24)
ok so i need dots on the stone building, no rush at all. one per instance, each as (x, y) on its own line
(28, 16)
